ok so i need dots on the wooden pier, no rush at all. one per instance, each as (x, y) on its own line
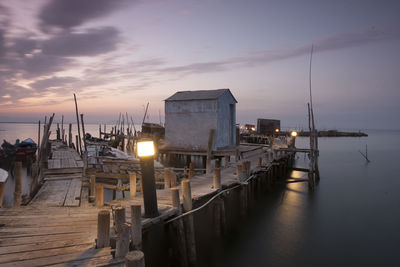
(60, 226)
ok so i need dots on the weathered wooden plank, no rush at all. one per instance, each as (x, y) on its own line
(52, 193)
(65, 256)
(73, 196)
(47, 245)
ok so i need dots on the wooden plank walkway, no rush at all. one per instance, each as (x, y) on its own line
(62, 179)
(48, 234)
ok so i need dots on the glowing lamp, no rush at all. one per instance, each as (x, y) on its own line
(145, 148)
(277, 130)
(293, 133)
(145, 152)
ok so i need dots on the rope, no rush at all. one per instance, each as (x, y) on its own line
(215, 196)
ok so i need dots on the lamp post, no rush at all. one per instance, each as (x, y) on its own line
(292, 141)
(145, 151)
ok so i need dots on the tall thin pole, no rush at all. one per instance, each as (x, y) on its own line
(145, 113)
(79, 128)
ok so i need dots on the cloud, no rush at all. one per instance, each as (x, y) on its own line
(93, 42)
(41, 64)
(71, 13)
(336, 42)
(53, 83)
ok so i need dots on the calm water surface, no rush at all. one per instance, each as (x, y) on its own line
(352, 218)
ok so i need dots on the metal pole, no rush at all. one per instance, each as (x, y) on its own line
(149, 187)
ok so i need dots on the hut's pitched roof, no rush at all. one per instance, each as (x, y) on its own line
(198, 95)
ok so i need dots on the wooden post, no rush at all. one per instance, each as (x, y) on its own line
(58, 131)
(134, 258)
(83, 132)
(78, 144)
(18, 183)
(122, 247)
(180, 235)
(259, 161)
(119, 219)
(99, 130)
(174, 182)
(136, 226)
(92, 187)
(191, 170)
(219, 217)
(62, 128)
(70, 135)
(38, 139)
(103, 229)
(217, 178)
(176, 203)
(187, 195)
(2, 185)
(189, 223)
(167, 180)
(99, 196)
(243, 200)
(238, 170)
(132, 185)
(209, 150)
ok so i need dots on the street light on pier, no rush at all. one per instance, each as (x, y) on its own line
(145, 152)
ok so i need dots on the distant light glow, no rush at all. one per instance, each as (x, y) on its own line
(277, 130)
(145, 148)
(293, 133)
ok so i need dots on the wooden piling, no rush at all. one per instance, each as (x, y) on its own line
(259, 161)
(2, 185)
(243, 200)
(103, 229)
(167, 179)
(136, 226)
(119, 218)
(92, 187)
(132, 185)
(99, 196)
(18, 183)
(174, 182)
(217, 178)
(238, 170)
(78, 144)
(209, 150)
(122, 247)
(70, 135)
(176, 203)
(134, 258)
(189, 223)
(83, 132)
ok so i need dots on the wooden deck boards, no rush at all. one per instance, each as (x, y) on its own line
(50, 233)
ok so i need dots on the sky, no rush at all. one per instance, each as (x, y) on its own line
(118, 55)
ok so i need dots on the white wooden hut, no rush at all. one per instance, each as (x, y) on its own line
(189, 116)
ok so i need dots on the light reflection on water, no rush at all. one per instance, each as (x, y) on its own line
(351, 219)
